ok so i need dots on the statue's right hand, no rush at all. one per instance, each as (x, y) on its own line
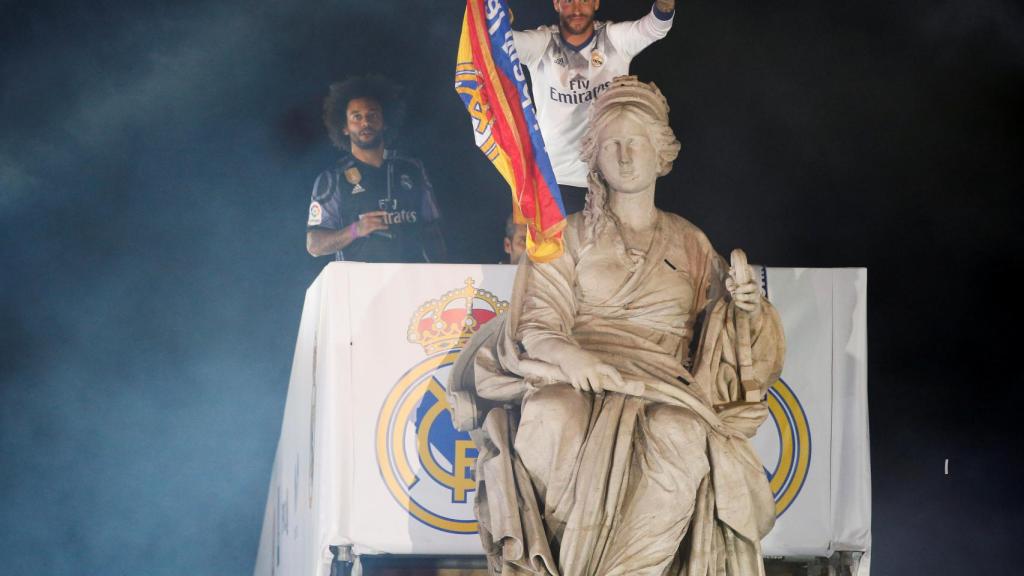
(585, 372)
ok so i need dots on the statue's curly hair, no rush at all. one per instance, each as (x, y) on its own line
(627, 95)
(377, 88)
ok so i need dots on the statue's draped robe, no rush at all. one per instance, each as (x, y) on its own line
(664, 482)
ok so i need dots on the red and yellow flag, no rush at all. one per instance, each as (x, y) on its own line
(489, 78)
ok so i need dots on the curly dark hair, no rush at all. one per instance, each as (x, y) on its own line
(377, 88)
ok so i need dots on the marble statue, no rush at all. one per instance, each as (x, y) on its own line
(613, 403)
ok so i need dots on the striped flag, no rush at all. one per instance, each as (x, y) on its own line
(489, 78)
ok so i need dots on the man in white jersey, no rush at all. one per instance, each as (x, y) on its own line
(570, 64)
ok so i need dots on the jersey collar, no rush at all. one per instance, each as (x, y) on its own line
(581, 46)
(348, 160)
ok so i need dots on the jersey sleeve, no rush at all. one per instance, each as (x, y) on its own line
(632, 37)
(324, 211)
(531, 44)
(428, 205)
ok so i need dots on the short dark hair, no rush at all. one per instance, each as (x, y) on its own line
(510, 226)
(376, 88)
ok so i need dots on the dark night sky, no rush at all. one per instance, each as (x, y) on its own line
(155, 166)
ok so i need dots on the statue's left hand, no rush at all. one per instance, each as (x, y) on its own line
(747, 295)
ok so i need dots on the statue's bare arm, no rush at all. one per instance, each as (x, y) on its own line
(581, 368)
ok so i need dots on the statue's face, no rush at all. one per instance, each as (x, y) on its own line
(626, 157)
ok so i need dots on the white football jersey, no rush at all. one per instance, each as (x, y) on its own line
(566, 80)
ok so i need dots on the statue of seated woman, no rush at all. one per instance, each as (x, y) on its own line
(613, 403)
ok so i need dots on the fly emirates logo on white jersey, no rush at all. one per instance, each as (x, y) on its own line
(580, 92)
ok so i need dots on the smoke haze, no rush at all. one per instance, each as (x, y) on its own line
(156, 160)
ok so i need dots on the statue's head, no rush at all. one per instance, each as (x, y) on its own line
(628, 144)
(630, 108)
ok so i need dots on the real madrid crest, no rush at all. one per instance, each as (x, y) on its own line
(426, 463)
(596, 59)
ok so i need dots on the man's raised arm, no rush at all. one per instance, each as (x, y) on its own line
(665, 6)
(633, 37)
(530, 45)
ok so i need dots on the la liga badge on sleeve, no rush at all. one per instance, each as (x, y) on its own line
(316, 214)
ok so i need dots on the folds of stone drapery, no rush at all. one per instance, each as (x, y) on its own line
(743, 499)
(733, 506)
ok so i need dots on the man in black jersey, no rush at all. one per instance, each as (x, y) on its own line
(374, 205)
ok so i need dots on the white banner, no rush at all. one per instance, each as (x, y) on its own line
(368, 456)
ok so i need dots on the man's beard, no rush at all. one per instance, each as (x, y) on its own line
(567, 25)
(371, 144)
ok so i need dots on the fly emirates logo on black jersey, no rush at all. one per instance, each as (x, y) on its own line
(580, 92)
(396, 215)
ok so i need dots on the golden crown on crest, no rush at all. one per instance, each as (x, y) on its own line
(449, 321)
